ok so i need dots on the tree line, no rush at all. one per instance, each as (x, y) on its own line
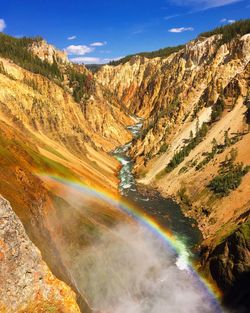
(228, 32)
(17, 50)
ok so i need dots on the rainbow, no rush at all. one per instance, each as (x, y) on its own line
(172, 242)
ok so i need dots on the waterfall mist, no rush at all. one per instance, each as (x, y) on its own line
(120, 266)
(128, 270)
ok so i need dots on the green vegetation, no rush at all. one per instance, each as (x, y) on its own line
(184, 169)
(182, 193)
(184, 152)
(55, 152)
(3, 71)
(163, 148)
(219, 148)
(217, 110)
(245, 229)
(80, 83)
(230, 176)
(94, 68)
(17, 50)
(228, 32)
(162, 53)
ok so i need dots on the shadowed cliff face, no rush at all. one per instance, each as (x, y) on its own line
(229, 264)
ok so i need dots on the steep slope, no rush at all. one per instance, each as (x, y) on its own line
(57, 127)
(27, 285)
(174, 111)
(194, 106)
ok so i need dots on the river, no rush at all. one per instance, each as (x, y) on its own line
(129, 268)
(164, 210)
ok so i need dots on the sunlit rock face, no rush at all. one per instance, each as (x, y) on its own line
(48, 52)
(170, 92)
(45, 131)
(27, 285)
(175, 95)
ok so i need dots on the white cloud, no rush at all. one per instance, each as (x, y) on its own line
(225, 20)
(2, 25)
(93, 60)
(78, 50)
(86, 60)
(169, 17)
(98, 44)
(71, 37)
(180, 29)
(113, 59)
(204, 4)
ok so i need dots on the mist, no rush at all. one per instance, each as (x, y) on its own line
(129, 270)
(120, 266)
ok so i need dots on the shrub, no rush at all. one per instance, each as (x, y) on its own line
(230, 176)
(182, 193)
(184, 152)
(217, 110)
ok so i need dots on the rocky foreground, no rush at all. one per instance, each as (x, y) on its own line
(27, 284)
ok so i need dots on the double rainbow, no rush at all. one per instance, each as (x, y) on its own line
(172, 242)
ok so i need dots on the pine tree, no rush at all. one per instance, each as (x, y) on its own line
(227, 140)
(215, 145)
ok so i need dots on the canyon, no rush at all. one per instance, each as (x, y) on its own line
(194, 107)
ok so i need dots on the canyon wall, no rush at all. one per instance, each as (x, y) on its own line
(195, 105)
(47, 136)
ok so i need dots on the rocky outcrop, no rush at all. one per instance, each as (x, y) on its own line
(229, 265)
(48, 52)
(27, 285)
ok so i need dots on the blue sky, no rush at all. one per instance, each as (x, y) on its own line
(97, 31)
